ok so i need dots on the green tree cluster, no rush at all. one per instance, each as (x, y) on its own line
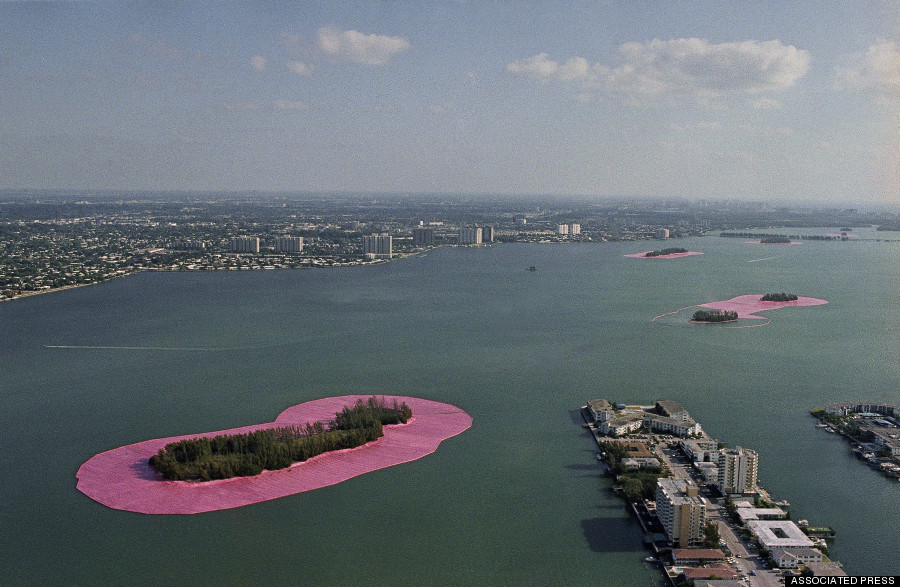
(241, 455)
(775, 239)
(669, 251)
(711, 535)
(714, 316)
(637, 485)
(779, 297)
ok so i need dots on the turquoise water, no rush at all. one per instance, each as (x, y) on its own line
(517, 498)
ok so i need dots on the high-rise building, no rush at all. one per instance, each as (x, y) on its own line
(378, 245)
(574, 229)
(562, 229)
(487, 234)
(470, 235)
(245, 244)
(662, 233)
(423, 236)
(681, 511)
(289, 244)
(738, 470)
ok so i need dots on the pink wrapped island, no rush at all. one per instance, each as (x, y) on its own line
(669, 256)
(747, 306)
(122, 479)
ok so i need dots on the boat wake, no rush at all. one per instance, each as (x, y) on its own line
(131, 348)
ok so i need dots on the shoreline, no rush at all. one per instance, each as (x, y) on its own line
(29, 294)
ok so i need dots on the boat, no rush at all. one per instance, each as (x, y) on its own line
(650, 559)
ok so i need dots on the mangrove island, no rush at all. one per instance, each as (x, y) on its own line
(714, 316)
(775, 239)
(669, 251)
(246, 455)
(779, 297)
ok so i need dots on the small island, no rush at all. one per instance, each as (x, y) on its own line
(775, 239)
(779, 297)
(714, 316)
(245, 455)
(669, 251)
(123, 479)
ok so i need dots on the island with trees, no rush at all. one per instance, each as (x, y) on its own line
(123, 479)
(775, 239)
(714, 316)
(669, 251)
(244, 455)
(779, 297)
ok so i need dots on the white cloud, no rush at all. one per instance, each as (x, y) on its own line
(289, 105)
(357, 47)
(249, 105)
(300, 68)
(679, 67)
(763, 103)
(696, 65)
(709, 125)
(878, 69)
(543, 68)
(538, 67)
(258, 63)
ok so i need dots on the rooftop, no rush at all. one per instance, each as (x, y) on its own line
(778, 533)
(698, 553)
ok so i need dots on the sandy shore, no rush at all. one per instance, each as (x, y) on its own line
(122, 478)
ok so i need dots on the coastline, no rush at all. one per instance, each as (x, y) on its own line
(397, 257)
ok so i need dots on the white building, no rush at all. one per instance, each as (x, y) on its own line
(470, 235)
(774, 534)
(622, 425)
(700, 449)
(709, 471)
(600, 410)
(379, 246)
(747, 514)
(846, 408)
(574, 229)
(676, 427)
(791, 558)
(289, 244)
(738, 470)
(681, 511)
(562, 229)
(245, 244)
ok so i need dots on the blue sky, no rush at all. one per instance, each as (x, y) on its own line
(772, 101)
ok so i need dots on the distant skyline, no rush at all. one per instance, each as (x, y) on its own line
(772, 101)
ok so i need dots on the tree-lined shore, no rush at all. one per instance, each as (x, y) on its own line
(243, 455)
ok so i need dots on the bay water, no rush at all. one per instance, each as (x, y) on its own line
(516, 499)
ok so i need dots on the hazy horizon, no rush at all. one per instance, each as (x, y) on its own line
(780, 102)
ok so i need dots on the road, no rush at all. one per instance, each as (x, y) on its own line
(741, 554)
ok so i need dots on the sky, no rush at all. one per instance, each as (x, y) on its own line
(753, 99)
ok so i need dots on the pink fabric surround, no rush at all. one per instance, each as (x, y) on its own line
(669, 256)
(747, 306)
(122, 478)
